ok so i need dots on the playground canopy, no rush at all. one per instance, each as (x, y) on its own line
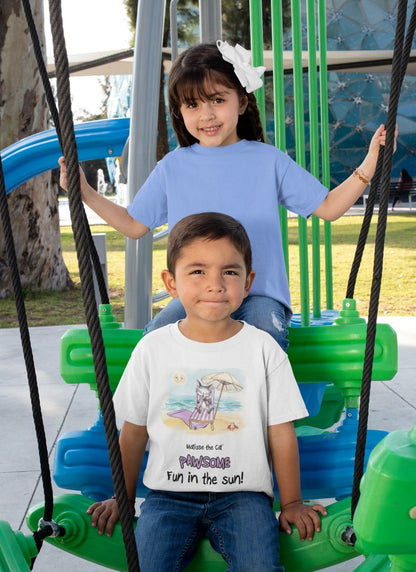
(353, 60)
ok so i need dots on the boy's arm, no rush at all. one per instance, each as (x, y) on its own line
(342, 197)
(133, 441)
(115, 215)
(283, 446)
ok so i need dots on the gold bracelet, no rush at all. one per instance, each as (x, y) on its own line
(362, 179)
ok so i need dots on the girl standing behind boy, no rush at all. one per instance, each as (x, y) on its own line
(224, 165)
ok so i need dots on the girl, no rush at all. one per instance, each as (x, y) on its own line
(222, 164)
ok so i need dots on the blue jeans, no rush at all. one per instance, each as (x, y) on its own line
(260, 311)
(241, 526)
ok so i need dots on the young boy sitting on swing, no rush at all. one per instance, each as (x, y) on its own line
(204, 482)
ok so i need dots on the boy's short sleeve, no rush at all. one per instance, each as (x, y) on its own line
(131, 398)
(285, 401)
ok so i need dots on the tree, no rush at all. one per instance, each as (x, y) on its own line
(237, 29)
(34, 205)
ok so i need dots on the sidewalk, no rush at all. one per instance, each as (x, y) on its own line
(74, 407)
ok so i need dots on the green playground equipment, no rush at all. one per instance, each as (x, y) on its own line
(16, 549)
(334, 353)
(387, 497)
(76, 361)
(385, 519)
(326, 549)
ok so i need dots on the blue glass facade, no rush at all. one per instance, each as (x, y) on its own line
(358, 102)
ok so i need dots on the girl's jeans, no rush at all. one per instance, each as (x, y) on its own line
(241, 526)
(260, 311)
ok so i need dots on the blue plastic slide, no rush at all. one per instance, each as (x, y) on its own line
(40, 152)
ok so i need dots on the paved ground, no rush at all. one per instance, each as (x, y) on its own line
(71, 407)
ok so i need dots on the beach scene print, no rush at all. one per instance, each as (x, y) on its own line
(209, 403)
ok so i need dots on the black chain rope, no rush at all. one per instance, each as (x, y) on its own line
(102, 287)
(27, 350)
(93, 323)
(398, 70)
(375, 183)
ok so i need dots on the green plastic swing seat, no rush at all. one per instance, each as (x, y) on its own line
(16, 549)
(326, 549)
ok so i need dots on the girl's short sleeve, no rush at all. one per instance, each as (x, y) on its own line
(299, 191)
(149, 206)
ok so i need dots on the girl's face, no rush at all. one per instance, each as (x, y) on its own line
(214, 122)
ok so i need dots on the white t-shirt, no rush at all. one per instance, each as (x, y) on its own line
(247, 180)
(207, 407)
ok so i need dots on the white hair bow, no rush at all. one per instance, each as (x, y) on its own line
(248, 75)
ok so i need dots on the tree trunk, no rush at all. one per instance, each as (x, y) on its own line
(34, 205)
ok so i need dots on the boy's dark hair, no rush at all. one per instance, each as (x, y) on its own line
(191, 73)
(209, 226)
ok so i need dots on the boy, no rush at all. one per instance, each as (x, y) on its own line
(216, 399)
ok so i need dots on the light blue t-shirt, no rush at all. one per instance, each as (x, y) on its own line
(246, 180)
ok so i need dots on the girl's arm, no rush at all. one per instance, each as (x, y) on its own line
(283, 446)
(114, 215)
(133, 441)
(342, 197)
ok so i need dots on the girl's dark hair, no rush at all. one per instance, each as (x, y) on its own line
(209, 226)
(191, 73)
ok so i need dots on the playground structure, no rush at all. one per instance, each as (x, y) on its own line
(332, 351)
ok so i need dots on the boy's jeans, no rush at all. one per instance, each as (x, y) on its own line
(260, 311)
(241, 526)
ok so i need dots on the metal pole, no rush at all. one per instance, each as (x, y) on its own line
(142, 155)
(300, 154)
(314, 153)
(257, 46)
(326, 179)
(279, 111)
(173, 11)
(210, 20)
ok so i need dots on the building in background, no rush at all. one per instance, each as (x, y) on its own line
(358, 101)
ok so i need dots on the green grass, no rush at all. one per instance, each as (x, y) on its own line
(397, 291)
(399, 265)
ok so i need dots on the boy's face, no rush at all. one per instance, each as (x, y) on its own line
(210, 279)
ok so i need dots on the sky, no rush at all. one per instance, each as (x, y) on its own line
(90, 26)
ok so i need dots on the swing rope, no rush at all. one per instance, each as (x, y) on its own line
(55, 118)
(48, 527)
(383, 172)
(97, 343)
(375, 183)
